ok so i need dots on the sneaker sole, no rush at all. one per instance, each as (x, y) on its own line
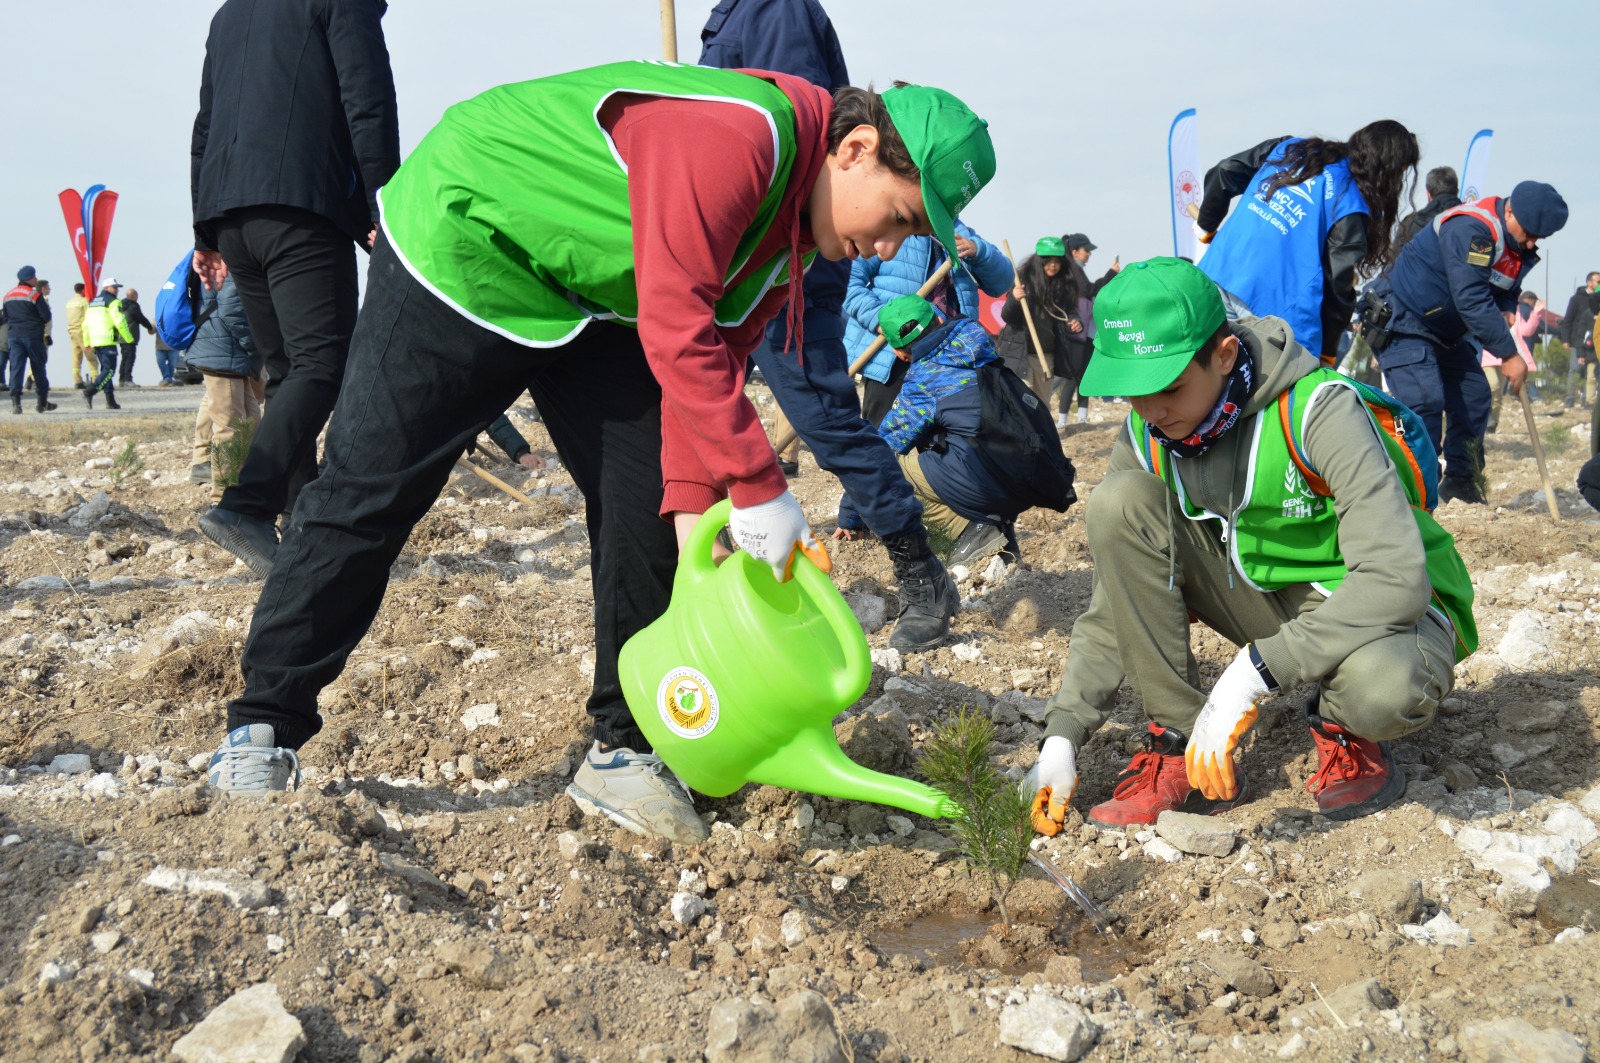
(239, 547)
(589, 806)
(1393, 789)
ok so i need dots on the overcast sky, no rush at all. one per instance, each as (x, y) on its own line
(1079, 98)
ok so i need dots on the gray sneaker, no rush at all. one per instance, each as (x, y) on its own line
(636, 791)
(249, 763)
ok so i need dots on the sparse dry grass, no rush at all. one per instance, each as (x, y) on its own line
(43, 431)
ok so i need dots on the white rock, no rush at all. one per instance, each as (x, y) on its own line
(42, 585)
(1571, 933)
(275, 943)
(804, 815)
(18, 645)
(1591, 802)
(692, 881)
(1440, 930)
(462, 644)
(142, 976)
(871, 611)
(107, 785)
(888, 659)
(106, 940)
(9, 840)
(839, 883)
(687, 908)
(1049, 1027)
(251, 1026)
(340, 907)
(1565, 821)
(199, 762)
(98, 505)
(57, 973)
(480, 656)
(485, 715)
(571, 845)
(1161, 849)
(794, 928)
(98, 463)
(960, 573)
(996, 572)
(1293, 1046)
(238, 888)
(471, 603)
(70, 764)
(1528, 641)
(966, 651)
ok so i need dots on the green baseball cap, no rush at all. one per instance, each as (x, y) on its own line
(904, 320)
(1150, 320)
(950, 145)
(1050, 245)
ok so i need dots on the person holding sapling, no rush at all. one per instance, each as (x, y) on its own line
(613, 240)
(1259, 493)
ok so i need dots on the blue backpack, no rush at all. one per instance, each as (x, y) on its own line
(177, 315)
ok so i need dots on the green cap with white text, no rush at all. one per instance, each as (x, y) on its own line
(1150, 320)
(950, 145)
(1049, 246)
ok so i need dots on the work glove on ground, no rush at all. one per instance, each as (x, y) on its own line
(1049, 785)
(1229, 712)
(773, 530)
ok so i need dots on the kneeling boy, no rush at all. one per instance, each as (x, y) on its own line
(1255, 491)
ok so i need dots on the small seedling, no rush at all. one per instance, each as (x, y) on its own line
(1556, 438)
(991, 822)
(127, 464)
(227, 456)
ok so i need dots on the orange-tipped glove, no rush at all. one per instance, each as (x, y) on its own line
(773, 531)
(1049, 784)
(1229, 712)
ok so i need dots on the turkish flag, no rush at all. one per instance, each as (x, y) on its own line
(72, 209)
(989, 312)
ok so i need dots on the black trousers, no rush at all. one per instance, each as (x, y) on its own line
(422, 382)
(296, 275)
(129, 352)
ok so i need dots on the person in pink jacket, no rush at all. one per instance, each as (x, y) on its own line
(1530, 311)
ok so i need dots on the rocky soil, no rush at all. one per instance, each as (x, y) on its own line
(430, 894)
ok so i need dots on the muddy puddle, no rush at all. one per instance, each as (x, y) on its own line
(946, 939)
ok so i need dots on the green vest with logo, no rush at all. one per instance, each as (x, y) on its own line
(514, 208)
(1284, 532)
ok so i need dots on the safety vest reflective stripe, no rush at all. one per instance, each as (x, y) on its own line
(1506, 263)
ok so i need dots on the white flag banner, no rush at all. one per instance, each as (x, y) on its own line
(1183, 173)
(1475, 174)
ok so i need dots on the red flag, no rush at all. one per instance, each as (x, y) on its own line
(989, 312)
(72, 208)
(105, 205)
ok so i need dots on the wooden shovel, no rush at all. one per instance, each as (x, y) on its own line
(669, 31)
(481, 474)
(1538, 452)
(874, 347)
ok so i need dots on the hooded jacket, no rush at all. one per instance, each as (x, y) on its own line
(1577, 324)
(222, 344)
(1386, 589)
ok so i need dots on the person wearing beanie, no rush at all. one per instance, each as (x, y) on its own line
(1451, 295)
(1254, 491)
(27, 316)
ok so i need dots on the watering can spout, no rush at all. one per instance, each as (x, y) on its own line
(812, 762)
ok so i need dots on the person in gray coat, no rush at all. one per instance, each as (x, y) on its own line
(226, 356)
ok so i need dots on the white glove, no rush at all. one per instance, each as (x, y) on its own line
(773, 530)
(1049, 784)
(1229, 712)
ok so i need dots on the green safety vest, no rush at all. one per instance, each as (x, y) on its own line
(514, 208)
(1285, 532)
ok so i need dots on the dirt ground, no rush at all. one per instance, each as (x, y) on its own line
(430, 894)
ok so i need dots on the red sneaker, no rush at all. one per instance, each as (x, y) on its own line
(1355, 776)
(1154, 782)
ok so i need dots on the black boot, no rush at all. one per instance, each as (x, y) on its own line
(1462, 488)
(16, 404)
(111, 398)
(927, 597)
(88, 395)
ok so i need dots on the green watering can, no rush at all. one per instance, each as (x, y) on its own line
(740, 679)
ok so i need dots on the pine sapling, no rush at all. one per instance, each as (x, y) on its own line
(991, 823)
(227, 456)
(126, 465)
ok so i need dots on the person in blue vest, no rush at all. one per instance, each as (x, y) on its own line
(812, 385)
(1451, 294)
(1318, 212)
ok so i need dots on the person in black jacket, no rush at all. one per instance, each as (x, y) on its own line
(1444, 191)
(296, 132)
(1577, 332)
(134, 315)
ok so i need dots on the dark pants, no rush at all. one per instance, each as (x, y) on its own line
(1445, 386)
(296, 275)
(108, 369)
(130, 351)
(876, 400)
(817, 395)
(28, 354)
(422, 383)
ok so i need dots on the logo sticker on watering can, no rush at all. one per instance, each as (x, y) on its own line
(688, 703)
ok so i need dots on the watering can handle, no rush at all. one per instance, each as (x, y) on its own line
(696, 561)
(851, 679)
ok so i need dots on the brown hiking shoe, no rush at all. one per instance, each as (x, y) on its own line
(1157, 781)
(1355, 776)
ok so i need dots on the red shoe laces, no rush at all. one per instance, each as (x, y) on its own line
(1341, 759)
(1140, 774)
